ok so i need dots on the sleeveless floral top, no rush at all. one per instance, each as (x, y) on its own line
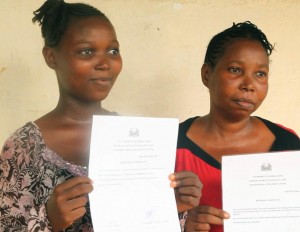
(29, 171)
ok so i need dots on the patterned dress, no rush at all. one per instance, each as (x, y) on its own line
(29, 171)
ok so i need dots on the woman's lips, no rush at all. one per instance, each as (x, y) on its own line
(244, 102)
(103, 81)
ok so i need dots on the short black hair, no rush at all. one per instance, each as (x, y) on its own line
(53, 17)
(246, 30)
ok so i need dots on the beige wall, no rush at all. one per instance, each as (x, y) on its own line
(162, 44)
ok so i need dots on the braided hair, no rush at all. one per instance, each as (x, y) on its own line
(219, 42)
(54, 15)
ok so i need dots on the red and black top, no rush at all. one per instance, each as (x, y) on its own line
(191, 157)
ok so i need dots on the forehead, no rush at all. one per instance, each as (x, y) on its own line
(93, 27)
(243, 49)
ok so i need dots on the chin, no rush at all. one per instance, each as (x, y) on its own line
(238, 116)
(94, 99)
(101, 97)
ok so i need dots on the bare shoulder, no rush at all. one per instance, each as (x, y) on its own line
(198, 126)
(260, 129)
(47, 121)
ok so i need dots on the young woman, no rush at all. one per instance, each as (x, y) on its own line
(236, 73)
(43, 165)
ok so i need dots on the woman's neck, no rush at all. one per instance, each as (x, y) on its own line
(222, 127)
(74, 111)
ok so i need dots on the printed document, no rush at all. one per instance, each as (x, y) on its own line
(261, 192)
(130, 161)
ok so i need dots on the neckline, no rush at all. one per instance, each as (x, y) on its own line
(58, 160)
(197, 150)
(206, 156)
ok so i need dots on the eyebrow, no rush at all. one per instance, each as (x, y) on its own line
(89, 41)
(241, 62)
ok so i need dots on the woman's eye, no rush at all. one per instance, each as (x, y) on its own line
(261, 74)
(234, 70)
(86, 52)
(114, 51)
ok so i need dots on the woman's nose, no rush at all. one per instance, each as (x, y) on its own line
(102, 62)
(247, 83)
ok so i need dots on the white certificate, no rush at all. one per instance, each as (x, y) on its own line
(261, 192)
(130, 160)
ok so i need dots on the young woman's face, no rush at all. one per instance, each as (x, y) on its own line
(239, 82)
(87, 59)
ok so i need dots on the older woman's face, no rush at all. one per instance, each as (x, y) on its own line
(239, 82)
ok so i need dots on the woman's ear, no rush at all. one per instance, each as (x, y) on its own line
(205, 72)
(49, 57)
